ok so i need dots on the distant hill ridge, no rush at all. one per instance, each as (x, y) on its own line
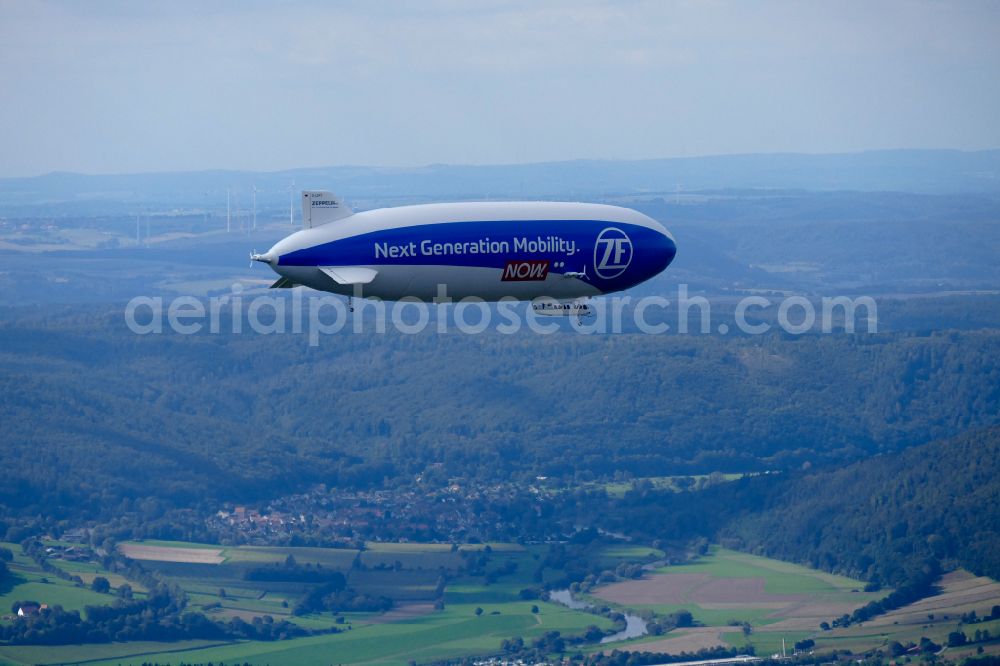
(918, 171)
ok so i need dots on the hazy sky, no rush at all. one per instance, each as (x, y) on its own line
(128, 86)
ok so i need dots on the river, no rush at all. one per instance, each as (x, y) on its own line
(635, 626)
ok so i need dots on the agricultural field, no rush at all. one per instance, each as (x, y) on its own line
(29, 583)
(725, 589)
(786, 601)
(214, 579)
(722, 590)
(677, 484)
(154, 553)
(456, 631)
(611, 554)
(934, 617)
(407, 573)
(17, 655)
(88, 571)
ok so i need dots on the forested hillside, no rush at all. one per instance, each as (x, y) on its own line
(885, 519)
(93, 414)
(879, 516)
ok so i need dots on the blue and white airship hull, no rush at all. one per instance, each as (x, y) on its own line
(489, 250)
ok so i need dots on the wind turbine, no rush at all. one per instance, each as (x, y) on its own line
(239, 212)
(291, 204)
(253, 199)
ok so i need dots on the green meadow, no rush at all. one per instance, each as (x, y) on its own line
(454, 632)
(779, 577)
(29, 583)
(618, 489)
(780, 601)
(408, 573)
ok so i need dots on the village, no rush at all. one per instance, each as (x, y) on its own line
(454, 513)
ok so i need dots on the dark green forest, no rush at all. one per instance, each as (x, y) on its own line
(870, 455)
(886, 519)
(937, 501)
(94, 415)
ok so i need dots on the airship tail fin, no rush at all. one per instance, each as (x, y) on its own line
(320, 207)
(283, 283)
(350, 274)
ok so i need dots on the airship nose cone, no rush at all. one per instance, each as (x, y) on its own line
(268, 257)
(668, 249)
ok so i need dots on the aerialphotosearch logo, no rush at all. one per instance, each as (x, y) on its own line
(318, 315)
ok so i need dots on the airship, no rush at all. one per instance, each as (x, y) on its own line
(562, 253)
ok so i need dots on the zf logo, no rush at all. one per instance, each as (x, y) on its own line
(612, 253)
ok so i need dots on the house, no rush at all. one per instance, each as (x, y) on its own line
(78, 535)
(25, 610)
